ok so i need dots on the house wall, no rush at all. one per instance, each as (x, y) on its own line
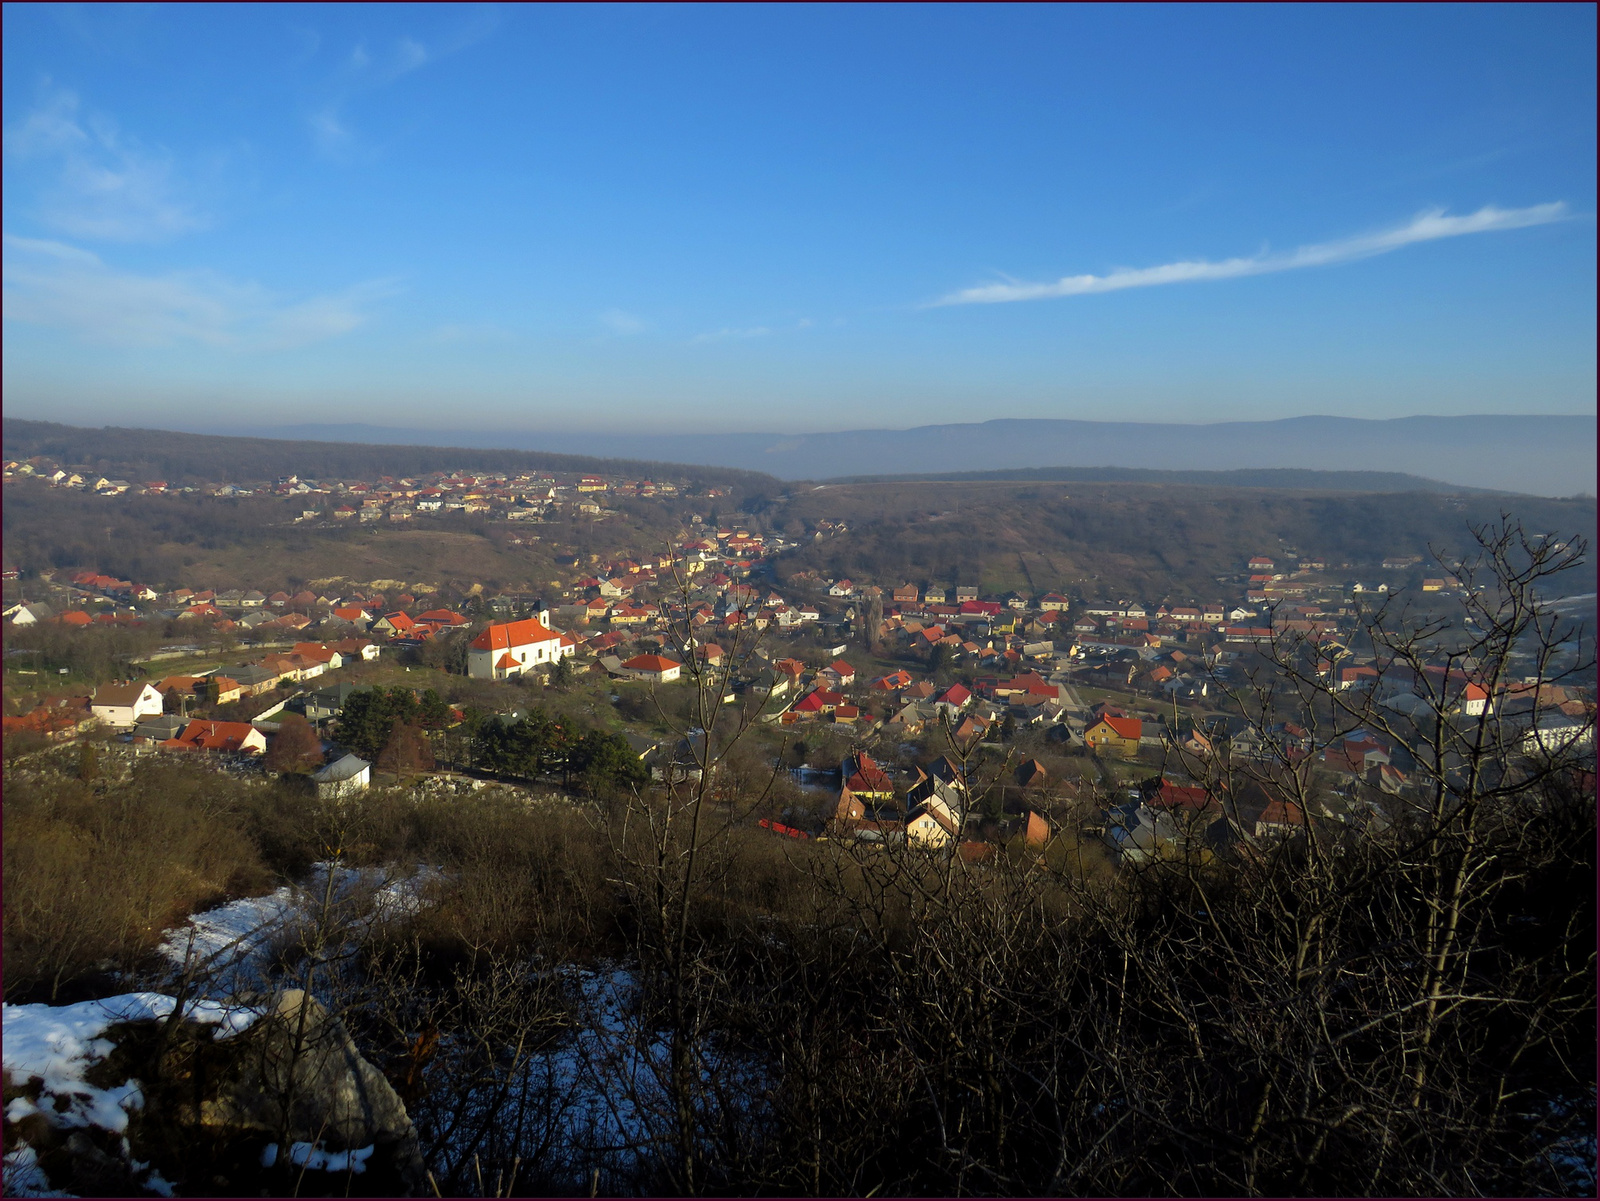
(481, 664)
(1104, 740)
(338, 788)
(147, 704)
(925, 831)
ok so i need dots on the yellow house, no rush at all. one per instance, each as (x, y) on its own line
(1119, 735)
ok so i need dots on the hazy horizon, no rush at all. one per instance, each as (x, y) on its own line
(1533, 454)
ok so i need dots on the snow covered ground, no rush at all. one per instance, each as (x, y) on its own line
(57, 1045)
(230, 950)
(234, 943)
(594, 1097)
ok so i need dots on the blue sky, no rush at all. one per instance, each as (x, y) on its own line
(795, 218)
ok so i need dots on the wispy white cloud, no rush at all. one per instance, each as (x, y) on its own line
(729, 335)
(410, 54)
(65, 287)
(366, 70)
(1427, 226)
(103, 185)
(329, 132)
(619, 321)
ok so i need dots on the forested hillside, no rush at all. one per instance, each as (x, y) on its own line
(140, 454)
(253, 542)
(1145, 539)
(1262, 477)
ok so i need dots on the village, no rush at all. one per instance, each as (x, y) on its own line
(799, 600)
(520, 497)
(898, 712)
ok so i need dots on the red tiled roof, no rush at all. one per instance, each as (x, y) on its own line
(1124, 727)
(817, 700)
(1174, 796)
(868, 777)
(505, 635)
(654, 663)
(443, 615)
(212, 735)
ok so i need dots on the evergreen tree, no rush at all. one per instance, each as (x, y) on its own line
(368, 717)
(363, 723)
(434, 710)
(605, 760)
(561, 673)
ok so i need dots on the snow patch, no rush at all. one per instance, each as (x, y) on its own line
(312, 1157)
(58, 1045)
(25, 1178)
(232, 945)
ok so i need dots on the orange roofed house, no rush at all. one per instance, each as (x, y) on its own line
(658, 669)
(1118, 734)
(218, 736)
(510, 648)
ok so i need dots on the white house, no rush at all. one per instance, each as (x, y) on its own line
(124, 705)
(658, 669)
(27, 615)
(349, 774)
(510, 648)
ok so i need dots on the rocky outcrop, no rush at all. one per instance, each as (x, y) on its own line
(275, 1099)
(301, 1075)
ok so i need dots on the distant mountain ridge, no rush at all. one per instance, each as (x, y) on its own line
(1542, 455)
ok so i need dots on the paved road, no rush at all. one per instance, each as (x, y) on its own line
(1073, 699)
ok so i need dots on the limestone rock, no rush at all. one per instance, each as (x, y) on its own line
(334, 1095)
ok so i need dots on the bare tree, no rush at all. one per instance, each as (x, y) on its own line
(670, 844)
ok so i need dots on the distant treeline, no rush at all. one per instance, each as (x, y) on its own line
(140, 455)
(149, 539)
(1289, 478)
